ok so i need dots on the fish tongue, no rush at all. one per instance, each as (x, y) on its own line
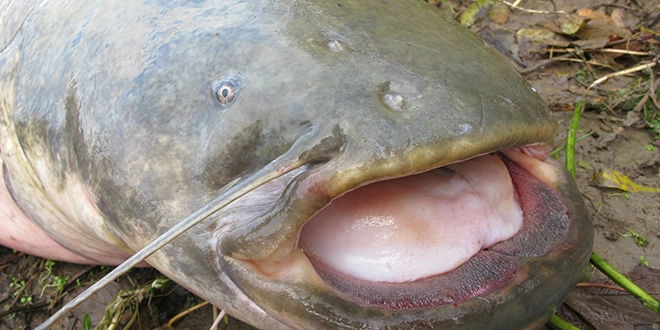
(413, 227)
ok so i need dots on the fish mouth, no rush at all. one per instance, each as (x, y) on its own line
(423, 240)
(502, 235)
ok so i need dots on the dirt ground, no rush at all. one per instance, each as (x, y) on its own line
(616, 132)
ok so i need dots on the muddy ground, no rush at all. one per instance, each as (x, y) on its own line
(616, 132)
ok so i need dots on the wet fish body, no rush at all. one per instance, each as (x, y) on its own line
(120, 119)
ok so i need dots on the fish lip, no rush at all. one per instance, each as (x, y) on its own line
(551, 277)
(505, 258)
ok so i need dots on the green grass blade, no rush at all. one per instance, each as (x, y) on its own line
(558, 323)
(570, 138)
(620, 279)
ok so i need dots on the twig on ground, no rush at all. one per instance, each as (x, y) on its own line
(533, 11)
(622, 72)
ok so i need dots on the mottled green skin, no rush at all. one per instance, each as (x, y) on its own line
(117, 96)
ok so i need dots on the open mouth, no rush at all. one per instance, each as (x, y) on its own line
(444, 236)
(500, 237)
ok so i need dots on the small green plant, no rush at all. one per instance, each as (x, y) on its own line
(17, 284)
(49, 264)
(585, 165)
(651, 116)
(643, 261)
(126, 304)
(58, 283)
(581, 76)
(20, 287)
(26, 300)
(159, 283)
(87, 322)
(655, 127)
(639, 239)
(624, 194)
(47, 271)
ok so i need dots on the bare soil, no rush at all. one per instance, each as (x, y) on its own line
(616, 132)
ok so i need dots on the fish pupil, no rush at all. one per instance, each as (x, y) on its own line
(226, 94)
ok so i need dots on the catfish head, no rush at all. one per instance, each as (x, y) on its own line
(394, 170)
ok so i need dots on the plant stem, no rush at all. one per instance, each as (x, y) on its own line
(620, 279)
(557, 322)
(570, 138)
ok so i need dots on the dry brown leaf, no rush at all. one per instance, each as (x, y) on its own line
(592, 43)
(601, 26)
(591, 14)
(540, 36)
(571, 24)
(617, 18)
(499, 13)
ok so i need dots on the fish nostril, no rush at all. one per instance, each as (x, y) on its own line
(399, 96)
(335, 46)
(393, 101)
(391, 98)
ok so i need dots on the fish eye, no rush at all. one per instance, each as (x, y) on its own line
(226, 93)
(226, 90)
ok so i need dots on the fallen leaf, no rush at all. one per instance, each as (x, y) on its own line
(609, 178)
(540, 36)
(571, 24)
(591, 14)
(592, 43)
(617, 17)
(599, 26)
(476, 10)
(499, 13)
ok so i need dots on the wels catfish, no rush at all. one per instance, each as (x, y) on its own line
(391, 171)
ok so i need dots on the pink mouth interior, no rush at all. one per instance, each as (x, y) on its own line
(414, 227)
